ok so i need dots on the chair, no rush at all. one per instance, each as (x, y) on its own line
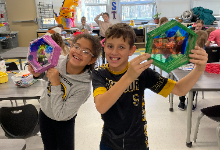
(214, 114)
(197, 92)
(19, 122)
(11, 66)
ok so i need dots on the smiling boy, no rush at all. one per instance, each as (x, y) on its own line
(118, 89)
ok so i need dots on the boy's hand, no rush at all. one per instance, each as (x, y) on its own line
(53, 76)
(86, 31)
(199, 57)
(136, 67)
(31, 70)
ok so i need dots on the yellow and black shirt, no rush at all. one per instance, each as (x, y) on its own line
(125, 125)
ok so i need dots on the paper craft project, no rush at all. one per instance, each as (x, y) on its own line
(43, 53)
(170, 45)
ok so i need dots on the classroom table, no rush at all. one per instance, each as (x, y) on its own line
(16, 53)
(207, 82)
(12, 144)
(9, 91)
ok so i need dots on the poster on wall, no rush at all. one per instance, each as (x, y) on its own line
(114, 8)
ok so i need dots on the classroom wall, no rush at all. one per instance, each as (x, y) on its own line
(172, 8)
(19, 10)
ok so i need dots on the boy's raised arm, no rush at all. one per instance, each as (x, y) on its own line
(97, 18)
(184, 85)
(106, 100)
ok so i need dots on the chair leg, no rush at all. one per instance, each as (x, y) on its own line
(196, 98)
(218, 135)
(197, 126)
(38, 100)
(24, 101)
(16, 103)
(202, 94)
(11, 103)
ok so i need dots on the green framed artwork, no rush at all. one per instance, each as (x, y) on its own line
(170, 45)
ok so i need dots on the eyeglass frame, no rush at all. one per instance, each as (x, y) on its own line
(81, 50)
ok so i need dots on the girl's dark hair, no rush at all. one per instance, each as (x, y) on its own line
(121, 30)
(58, 39)
(96, 46)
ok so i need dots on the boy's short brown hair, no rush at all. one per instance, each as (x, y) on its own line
(121, 30)
(202, 38)
(83, 19)
(105, 13)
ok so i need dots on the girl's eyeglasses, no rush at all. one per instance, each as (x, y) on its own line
(83, 52)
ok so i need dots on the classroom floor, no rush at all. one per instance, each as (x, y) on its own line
(166, 130)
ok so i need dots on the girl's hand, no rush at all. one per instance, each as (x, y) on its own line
(31, 70)
(199, 57)
(136, 67)
(53, 76)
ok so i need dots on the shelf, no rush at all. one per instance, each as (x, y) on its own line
(140, 43)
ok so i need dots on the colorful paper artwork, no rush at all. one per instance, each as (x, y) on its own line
(66, 17)
(43, 53)
(170, 45)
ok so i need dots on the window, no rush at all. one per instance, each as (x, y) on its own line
(90, 9)
(137, 9)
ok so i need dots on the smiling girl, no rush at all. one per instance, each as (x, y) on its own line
(68, 87)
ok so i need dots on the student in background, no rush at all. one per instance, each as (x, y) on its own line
(199, 26)
(68, 87)
(214, 36)
(55, 33)
(118, 89)
(201, 40)
(163, 20)
(58, 39)
(84, 26)
(57, 29)
(209, 30)
(103, 26)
